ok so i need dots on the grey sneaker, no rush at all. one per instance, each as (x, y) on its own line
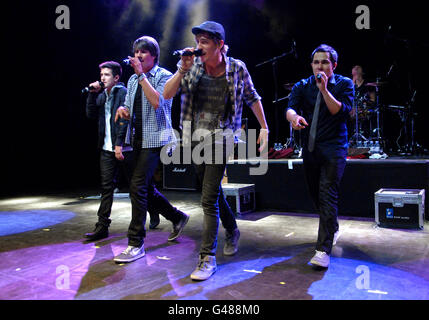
(130, 254)
(320, 259)
(205, 268)
(178, 227)
(231, 243)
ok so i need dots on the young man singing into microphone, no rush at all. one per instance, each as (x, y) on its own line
(150, 116)
(213, 89)
(325, 100)
(102, 106)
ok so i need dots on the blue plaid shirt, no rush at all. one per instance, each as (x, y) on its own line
(240, 88)
(157, 126)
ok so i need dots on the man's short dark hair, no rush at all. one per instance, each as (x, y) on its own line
(149, 44)
(112, 65)
(333, 55)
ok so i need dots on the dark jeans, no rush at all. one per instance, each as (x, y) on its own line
(214, 205)
(144, 195)
(109, 168)
(324, 168)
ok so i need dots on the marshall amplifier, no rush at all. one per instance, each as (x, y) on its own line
(180, 177)
(400, 208)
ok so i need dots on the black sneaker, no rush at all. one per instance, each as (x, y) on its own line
(178, 227)
(231, 243)
(154, 221)
(100, 232)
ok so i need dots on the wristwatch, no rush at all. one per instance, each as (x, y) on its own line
(141, 76)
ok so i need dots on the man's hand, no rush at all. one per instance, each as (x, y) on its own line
(299, 122)
(322, 82)
(118, 153)
(123, 113)
(96, 86)
(136, 65)
(187, 61)
(263, 140)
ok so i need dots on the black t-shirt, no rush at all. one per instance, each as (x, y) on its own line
(137, 115)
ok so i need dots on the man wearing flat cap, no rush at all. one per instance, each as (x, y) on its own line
(213, 88)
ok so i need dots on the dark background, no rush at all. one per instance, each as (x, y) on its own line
(49, 144)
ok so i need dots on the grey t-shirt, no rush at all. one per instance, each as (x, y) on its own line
(211, 103)
(212, 117)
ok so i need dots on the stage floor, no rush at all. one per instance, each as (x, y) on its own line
(44, 256)
(282, 186)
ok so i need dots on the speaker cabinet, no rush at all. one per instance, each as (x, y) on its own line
(180, 177)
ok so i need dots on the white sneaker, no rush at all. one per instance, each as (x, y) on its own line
(205, 268)
(130, 254)
(320, 259)
(336, 236)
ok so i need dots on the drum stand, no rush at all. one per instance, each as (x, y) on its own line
(357, 137)
(378, 141)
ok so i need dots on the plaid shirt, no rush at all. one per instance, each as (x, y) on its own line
(240, 88)
(157, 126)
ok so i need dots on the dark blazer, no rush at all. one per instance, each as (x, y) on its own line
(95, 110)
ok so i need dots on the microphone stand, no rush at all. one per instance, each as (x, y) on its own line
(413, 145)
(273, 62)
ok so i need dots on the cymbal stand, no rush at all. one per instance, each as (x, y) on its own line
(377, 101)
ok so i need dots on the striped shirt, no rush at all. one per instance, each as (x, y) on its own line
(240, 88)
(157, 129)
(108, 145)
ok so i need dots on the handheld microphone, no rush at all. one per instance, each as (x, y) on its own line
(86, 89)
(319, 76)
(197, 53)
(126, 62)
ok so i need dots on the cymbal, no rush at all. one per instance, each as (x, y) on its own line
(376, 84)
(289, 86)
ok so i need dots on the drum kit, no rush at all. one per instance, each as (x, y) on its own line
(365, 125)
(366, 116)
